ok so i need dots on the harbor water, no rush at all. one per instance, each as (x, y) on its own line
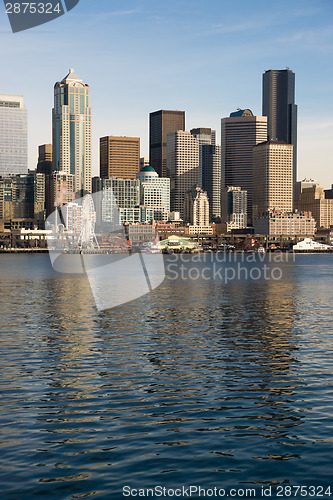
(205, 382)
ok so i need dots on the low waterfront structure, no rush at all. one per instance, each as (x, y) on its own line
(141, 233)
(175, 243)
(208, 230)
(308, 245)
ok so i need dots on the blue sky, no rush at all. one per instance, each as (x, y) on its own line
(204, 57)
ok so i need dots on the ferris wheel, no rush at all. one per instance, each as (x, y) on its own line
(87, 237)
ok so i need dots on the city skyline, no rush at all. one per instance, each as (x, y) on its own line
(234, 46)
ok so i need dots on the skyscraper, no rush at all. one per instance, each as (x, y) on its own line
(209, 177)
(196, 207)
(71, 128)
(22, 196)
(239, 133)
(299, 186)
(13, 135)
(182, 167)
(278, 104)
(45, 164)
(234, 207)
(161, 123)
(119, 157)
(272, 177)
(59, 190)
(204, 135)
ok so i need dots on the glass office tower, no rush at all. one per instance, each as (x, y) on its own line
(278, 104)
(13, 135)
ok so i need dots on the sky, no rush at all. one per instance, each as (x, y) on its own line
(204, 57)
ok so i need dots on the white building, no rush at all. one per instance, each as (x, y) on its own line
(197, 207)
(182, 167)
(72, 216)
(272, 177)
(155, 192)
(309, 245)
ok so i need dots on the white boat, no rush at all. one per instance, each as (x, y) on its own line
(310, 246)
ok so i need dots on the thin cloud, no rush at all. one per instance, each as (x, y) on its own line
(314, 39)
(255, 24)
(101, 16)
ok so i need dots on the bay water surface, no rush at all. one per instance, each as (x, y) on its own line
(201, 382)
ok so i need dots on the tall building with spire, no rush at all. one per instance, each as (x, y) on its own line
(71, 129)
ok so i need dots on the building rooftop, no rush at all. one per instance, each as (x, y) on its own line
(241, 112)
(271, 141)
(148, 169)
(72, 77)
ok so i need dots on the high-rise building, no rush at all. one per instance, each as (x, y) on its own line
(234, 207)
(210, 156)
(204, 135)
(22, 196)
(182, 167)
(60, 190)
(272, 177)
(197, 207)
(161, 123)
(71, 129)
(45, 165)
(303, 184)
(144, 162)
(239, 133)
(209, 168)
(13, 135)
(155, 192)
(329, 193)
(125, 191)
(313, 199)
(278, 104)
(114, 197)
(119, 157)
(72, 217)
